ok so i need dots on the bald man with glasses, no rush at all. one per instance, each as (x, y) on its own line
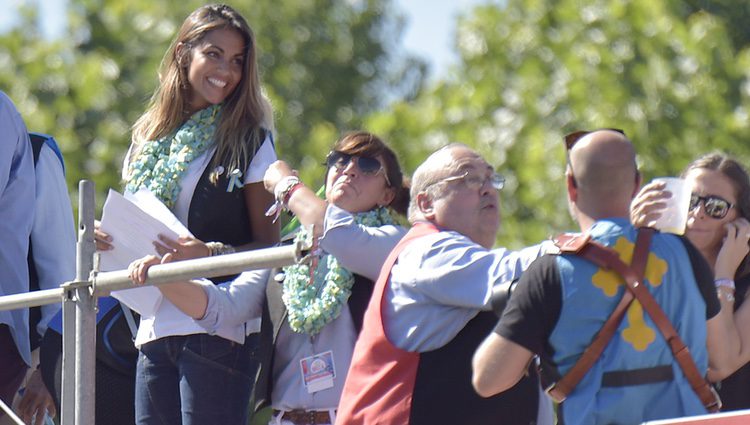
(432, 306)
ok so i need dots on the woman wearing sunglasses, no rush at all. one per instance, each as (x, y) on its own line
(718, 226)
(315, 315)
(316, 320)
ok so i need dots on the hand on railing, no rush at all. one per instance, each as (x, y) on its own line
(138, 269)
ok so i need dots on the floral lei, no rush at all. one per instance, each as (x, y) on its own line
(312, 305)
(160, 164)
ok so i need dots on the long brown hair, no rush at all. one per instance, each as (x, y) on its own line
(362, 143)
(243, 112)
(740, 180)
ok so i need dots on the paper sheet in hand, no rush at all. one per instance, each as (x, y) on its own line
(135, 222)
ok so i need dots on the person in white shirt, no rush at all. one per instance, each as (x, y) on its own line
(202, 148)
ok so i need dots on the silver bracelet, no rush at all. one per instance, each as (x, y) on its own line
(218, 248)
(726, 283)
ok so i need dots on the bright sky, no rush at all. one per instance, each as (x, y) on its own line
(431, 29)
(429, 33)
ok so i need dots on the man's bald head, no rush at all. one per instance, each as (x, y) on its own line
(603, 173)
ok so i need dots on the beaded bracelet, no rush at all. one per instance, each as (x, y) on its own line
(281, 193)
(725, 289)
(284, 189)
(218, 248)
(724, 282)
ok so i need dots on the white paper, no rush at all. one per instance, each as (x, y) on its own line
(149, 203)
(135, 221)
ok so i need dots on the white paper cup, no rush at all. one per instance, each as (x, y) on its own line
(674, 216)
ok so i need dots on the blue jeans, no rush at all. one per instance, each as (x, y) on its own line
(195, 380)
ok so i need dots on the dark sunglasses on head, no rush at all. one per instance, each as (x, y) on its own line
(367, 165)
(572, 138)
(715, 206)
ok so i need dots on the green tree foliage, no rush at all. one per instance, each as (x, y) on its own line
(735, 13)
(324, 65)
(532, 70)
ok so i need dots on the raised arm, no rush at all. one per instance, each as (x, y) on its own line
(341, 233)
(301, 200)
(729, 338)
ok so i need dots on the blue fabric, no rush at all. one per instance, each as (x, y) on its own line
(17, 196)
(590, 294)
(50, 141)
(105, 305)
(195, 379)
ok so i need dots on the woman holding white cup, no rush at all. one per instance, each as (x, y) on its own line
(717, 224)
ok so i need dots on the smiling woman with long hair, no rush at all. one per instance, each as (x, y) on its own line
(202, 147)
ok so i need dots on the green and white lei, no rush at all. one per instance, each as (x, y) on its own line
(312, 305)
(161, 163)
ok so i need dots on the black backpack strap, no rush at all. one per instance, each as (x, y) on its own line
(38, 140)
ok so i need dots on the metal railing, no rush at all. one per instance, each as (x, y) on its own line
(79, 301)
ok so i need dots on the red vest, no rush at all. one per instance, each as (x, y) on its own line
(380, 383)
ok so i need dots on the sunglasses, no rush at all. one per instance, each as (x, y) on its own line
(367, 165)
(714, 206)
(572, 138)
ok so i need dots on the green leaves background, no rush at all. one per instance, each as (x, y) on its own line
(675, 75)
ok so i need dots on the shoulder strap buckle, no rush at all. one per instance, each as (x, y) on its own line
(571, 243)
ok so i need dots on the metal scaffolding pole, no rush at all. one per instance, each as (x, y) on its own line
(67, 416)
(85, 320)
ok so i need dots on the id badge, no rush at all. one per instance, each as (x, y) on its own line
(318, 371)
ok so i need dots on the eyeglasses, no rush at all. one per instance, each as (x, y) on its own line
(367, 165)
(715, 206)
(572, 138)
(475, 182)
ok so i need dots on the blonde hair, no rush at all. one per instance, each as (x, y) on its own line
(244, 112)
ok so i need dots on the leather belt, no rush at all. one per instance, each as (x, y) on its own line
(305, 417)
